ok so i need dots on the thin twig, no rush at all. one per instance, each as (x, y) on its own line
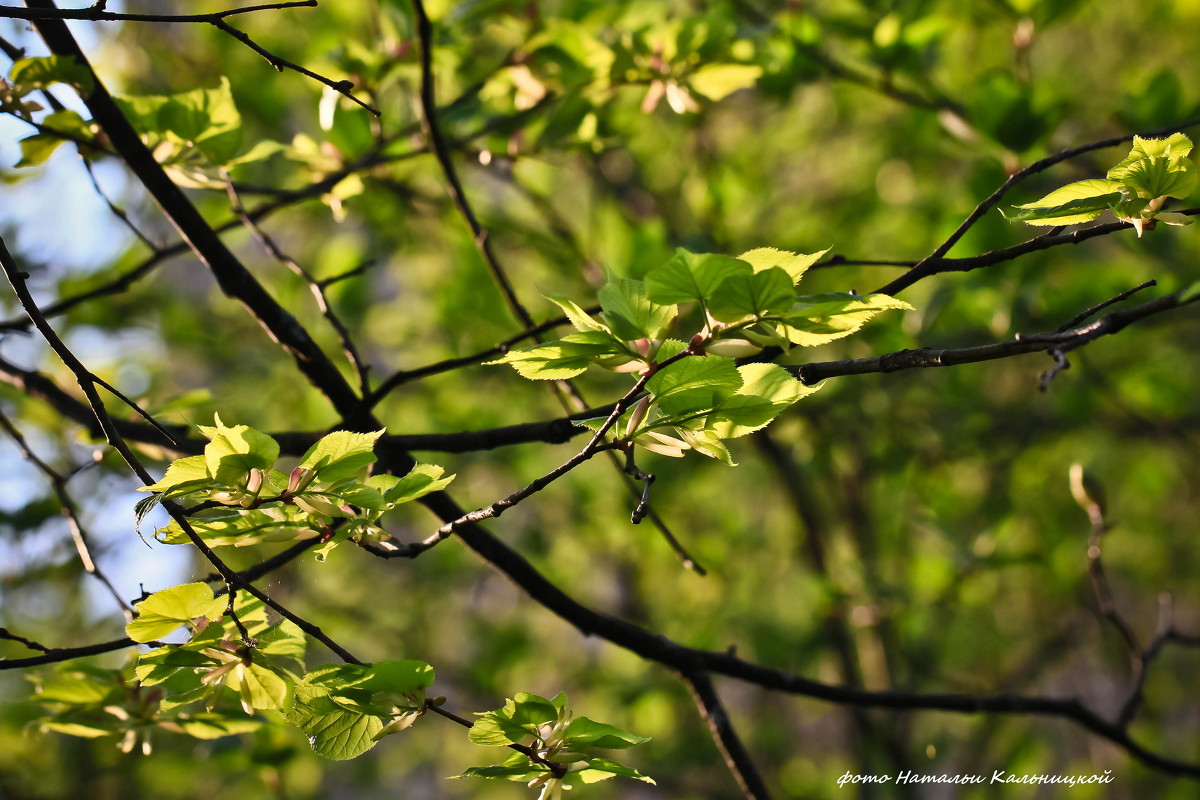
(5, 633)
(441, 150)
(343, 87)
(58, 483)
(315, 287)
(116, 210)
(933, 263)
(737, 758)
(97, 13)
(404, 376)
(1063, 341)
(1083, 316)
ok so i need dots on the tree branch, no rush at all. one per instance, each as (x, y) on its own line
(737, 759)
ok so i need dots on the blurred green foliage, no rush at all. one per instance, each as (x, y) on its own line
(913, 530)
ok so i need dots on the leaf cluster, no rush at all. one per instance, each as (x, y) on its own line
(239, 498)
(1135, 189)
(557, 748)
(697, 394)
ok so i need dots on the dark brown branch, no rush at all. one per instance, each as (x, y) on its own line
(658, 648)
(58, 655)
(737, 759)
(97, 13)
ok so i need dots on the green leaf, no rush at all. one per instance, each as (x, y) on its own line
(335, 705)
(37, 148)
(495, 731)
(520, 717)
(578, 316)
(794, 264)
(341, 454)
(1177, 145)
(334, 730)
(583, 733)
(1157, 177)
(163, 663)
(630, 313)
(336, 733)
(190, 472)
(76, 686)
(283, 640)
(517, 767)
(562, 359)
(718, 81)
(766, 391)
(821, 318)
(1190, 293)
(694, 383)
(421, 480)
(94, 730)
(753, 295)
(691, 276)
(599, 769)
(163, 612)
(206, 118)
(1077, 202)
(224, 527)
(40, 72)
(259, 686)
(233, 451)
(214, 725)
(398, 676)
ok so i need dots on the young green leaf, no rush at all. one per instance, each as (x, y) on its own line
(421, 480)
(562, 359)
(340, 455)
(577, 316)
(717, 81)
(766, 391)
(1177, 145)
(1157, 177)
(694, 383)
(583, 733)
(599, 769)
(691, 276)
(183, 475)
(344, 708)
(630, 313)
(233, 451)
(163, 612)
(1077, 202)
(40, 72)
(821, 318)
(755, 294)
(794, 264)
